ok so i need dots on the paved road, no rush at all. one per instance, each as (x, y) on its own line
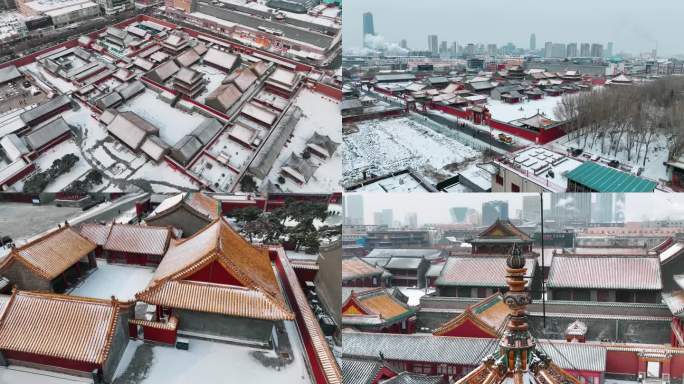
(485, 137)
(310, 37)
(21, 220)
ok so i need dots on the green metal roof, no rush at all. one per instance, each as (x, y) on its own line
(605, 179)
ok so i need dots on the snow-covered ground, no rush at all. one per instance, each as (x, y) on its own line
(214, 362)
(162, 172)
(653, 168)
(23, 375)
(214, 173)
(212, 76)
(397, 184)
(58, 83)
(319, 114)
(173, 123)
(506, 112)
(516, 140)
(384, 146)
(237, 154)
(414, 294)
(122, 281)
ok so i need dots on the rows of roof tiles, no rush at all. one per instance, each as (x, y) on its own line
(67, 327)
(461, 350)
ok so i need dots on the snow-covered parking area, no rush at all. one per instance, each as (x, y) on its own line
(122, 281)
(384, 146)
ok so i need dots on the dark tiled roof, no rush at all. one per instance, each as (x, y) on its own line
(478, 271)
(601, 272)
(461, 350)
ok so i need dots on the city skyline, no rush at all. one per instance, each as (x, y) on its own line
(632, 27)
(435, 208)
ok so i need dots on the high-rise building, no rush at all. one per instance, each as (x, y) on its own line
(597, 50)
(533, 42)
(609, 49)
(368, 27)
(585, 50)
(443, 47)
(570, 208)
(353, 209)
(493, 210)
(469, 50)
(558, 50)
(403, 44)
(384, 217)
(491, 49)
(531, 210)
(433, 47)
(458, 214)
(548, 46)
(571, 50)
(411, 220)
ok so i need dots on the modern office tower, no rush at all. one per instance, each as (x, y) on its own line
(548, 46)
(558, 50)
(433, 46)
(384, 217)
(533, 42)
(353, 209)
(531, 211)
(597, 50)
(493, 210)
(368, 27)
(571, 50)
(609, 49)
(585, 50)
(411, 220)
(403, 44)
(491, 49)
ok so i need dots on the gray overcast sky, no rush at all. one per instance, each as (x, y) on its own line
(434, 207)
(633, 25)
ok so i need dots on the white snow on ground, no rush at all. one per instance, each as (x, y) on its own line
(653, 169)
(83, 120)
(122, 281)
(103, 157)
(485, 128)
(214, 173)
(164, 173)
(23, 375)
(212, 76)
(384, 146)
(46, 159)
(60, 84)
(213, 362)
(173, 123)
(320, 114)
(414, 294)
(396, 184)
(236, 153)
(506, 112)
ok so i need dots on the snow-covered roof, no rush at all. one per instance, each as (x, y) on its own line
(130, 128)
(9, 73)
(154, 147)
(223, 97)
(42, 135)
(13, 146)
(260, 114)
(258, 295)
(74, 328)
(221, 59)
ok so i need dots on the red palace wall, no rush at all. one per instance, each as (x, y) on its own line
(540, 138)
(329, 91)
(214, 273)
(133, 258)
(316, 368)
(677, 367)
(468, 329)
(305, 274)
(624, 363)
(165, 336)
(51, 361)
